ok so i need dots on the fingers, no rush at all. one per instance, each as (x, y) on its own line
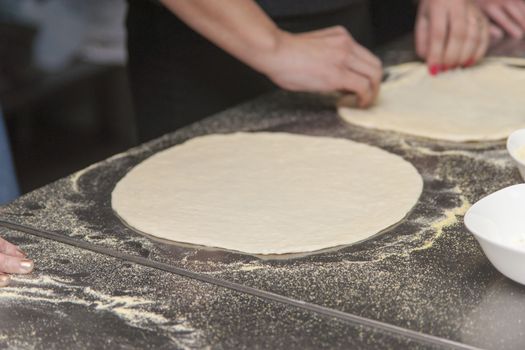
(474, 41)
(12, 264)
(482, 37)
(457, 35)
(10, 249)
(367, 56)
(471, 44)
(517, 13)
(356, 83)
(521, 6)
(4, 280)
(437, 38)
(421, 33)
(484, 40)
(367, 66)
(327, 60)
(367, 70)
(495, 32)
(498, 15)
(12, 260)
(360, 65)
(341, 39)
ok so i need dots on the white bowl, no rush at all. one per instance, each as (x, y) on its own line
(498, 223)
(516, 142)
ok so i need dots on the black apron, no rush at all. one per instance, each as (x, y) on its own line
(178, 77)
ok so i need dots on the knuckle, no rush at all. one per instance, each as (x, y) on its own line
(4, 263)
(473, 34)
(439, 34)
(448, 59)
(340, 57)
(343, 41)
(421, 50)
(362, 86)
(4, 280)
(461, 35)
(333, 82)
(341, 30)
(369, 86)
(378, 77)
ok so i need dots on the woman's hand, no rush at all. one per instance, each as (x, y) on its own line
(508, 16)
(12, 260)
(324, 61)
(451, 34)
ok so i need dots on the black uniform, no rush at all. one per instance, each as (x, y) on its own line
(178, 77)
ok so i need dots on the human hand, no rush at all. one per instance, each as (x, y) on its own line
(450, 34)
(12, 260)
(324, 61)
(508, 16)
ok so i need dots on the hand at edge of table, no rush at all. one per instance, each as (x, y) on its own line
(12, 261)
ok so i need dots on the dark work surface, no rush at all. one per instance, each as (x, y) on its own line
(427, 274)
(79, 299)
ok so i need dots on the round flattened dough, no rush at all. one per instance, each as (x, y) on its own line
(475, 104)
(267, 193)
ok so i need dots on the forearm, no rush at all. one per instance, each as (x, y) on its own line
(324, 60)
(240, 27)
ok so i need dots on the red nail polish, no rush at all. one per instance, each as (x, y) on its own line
(444, 68)
(470, 62)
(434, 69)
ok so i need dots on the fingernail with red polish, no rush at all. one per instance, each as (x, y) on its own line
(470, 62)
(444, 68)
(434, 69)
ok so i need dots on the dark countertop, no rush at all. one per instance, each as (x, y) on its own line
(421, 284)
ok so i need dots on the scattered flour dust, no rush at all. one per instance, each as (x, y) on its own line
(74, 178)
(495, 157)
(130, 309)
(250, 267)
(450, 218)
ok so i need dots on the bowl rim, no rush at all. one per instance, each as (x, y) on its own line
(507, 144)
(483, 237)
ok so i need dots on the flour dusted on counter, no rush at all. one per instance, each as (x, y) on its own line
(267, 193)
(479, 103)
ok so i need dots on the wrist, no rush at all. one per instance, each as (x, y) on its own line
(266, 57)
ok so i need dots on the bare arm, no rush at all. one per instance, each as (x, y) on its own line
(239, 27)
(324, 60)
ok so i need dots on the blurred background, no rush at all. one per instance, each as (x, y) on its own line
(63, 85)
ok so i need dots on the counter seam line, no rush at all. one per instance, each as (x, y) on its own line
(270, 296)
